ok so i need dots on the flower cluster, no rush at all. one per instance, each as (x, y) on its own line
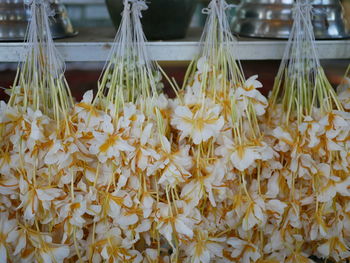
(120, 189)
(308, 127)
(34, 162)
(312, 180)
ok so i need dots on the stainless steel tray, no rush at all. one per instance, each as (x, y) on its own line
(274, 19)
(14, 17)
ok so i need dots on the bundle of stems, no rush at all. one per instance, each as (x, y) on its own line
(301, 84)
(309, 129)
(40, 83)
(221, 72)
(129, 73)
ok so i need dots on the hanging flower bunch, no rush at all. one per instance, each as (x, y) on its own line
(37, 149)
(307, 125)
(123, 133)
(81, 184)
(216, 117)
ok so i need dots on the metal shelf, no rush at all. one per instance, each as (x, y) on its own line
(94, 44)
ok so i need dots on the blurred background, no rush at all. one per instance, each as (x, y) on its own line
(185, 21)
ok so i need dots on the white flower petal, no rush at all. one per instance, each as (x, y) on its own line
(182, 228)
(146, 134)
(244, 158)
(276, 206)
(3, 253)
(273, 186)
(215, 248)
(327, 193)
(343, 188)
(167, 231)
(205, 257)
(324, 249)
(88, 96)
(20, 245)
(127, 220)
(60, 253)
(48, 194)
(144, 226)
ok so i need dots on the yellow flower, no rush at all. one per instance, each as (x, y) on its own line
(108, 146)
(200, 124)
(116, 249)
(35, 200)
(330, 188)
(86, 112)
(6, 227)
(181, 223)
(244, 156)
(249, 95)
(175, 166)
(52, 253)
(254, 215)
(204, 248)
(243, 251)
(334, 247)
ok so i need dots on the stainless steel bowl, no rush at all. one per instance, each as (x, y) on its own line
(274, 19)
(291, 2)
(14, 17)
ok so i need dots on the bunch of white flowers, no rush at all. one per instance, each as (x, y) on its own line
(308, 127)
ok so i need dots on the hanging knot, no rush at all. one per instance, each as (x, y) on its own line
(45, 3)
(138, 6)
(206, 11)
(302, 7)
(217, 4)
(211, 6)
(126, 7)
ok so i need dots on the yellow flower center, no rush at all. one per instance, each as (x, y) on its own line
(109, 142)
